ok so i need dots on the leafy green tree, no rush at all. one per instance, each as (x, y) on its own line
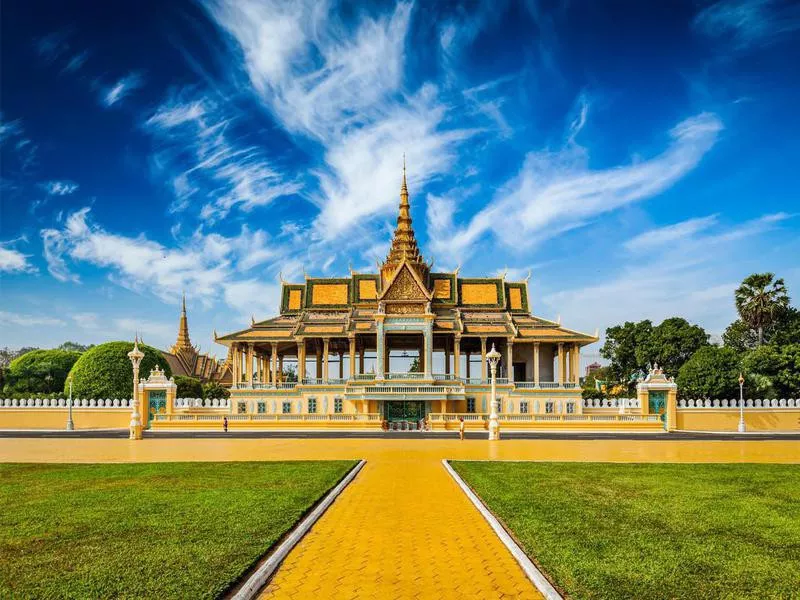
(7, 355)
(75, 347)
(214, 390)
(711, 372)
(414, 367)
(188, 387)
(759, 300)
(773, 371)
(40, 371)
(105, 371)
(590, 385)
(785, 329)
(672, 343)
(289, 374)
(621, 345)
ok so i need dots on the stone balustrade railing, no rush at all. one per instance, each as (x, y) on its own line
(734, 403)
(202, 403)
(63, 402)
(611, 403)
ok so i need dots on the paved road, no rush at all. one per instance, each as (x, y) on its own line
(396, 435)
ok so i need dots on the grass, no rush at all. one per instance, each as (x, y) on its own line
(166, 530)
(649, 531)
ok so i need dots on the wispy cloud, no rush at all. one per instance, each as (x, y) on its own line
(25, 320)
(558, 191)
(60, 188)
(122, 88)
(654, 238)
(14, 261)
(747, 23)
(208, 164)
(76, 61)
(87, 320)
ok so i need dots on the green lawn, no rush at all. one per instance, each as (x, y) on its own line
(161, 530)
(651, 530)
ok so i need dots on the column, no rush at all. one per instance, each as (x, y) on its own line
(352, 357)
(341, 365)
(274, 356)
(447, 355)
(280, 368)
(318, 373)
(301, 361)
(380, 351)
(576, 364)
(428, 344)
(469, 358)
(249, 364)
(536, 364)
(234, 369)
(509, 360)
(457, 357)
(361, 358)
(325, 348)
(562, 363)
(483, 360)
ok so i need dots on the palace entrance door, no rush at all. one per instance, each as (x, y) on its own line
(404, 414)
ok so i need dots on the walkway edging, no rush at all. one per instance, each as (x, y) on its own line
(530, 569)
(255, 583)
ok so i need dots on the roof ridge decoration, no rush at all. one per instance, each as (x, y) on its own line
(406, 265)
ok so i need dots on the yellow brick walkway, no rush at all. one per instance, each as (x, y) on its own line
(402, 529)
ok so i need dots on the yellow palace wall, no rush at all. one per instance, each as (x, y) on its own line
(56, 418)
(728, 419)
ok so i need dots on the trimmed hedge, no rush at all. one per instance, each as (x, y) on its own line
(188, 387)
(39, 371)
(105, 371)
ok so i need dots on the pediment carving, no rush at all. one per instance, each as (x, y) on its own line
(405, 287)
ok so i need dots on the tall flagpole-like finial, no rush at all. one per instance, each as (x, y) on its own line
(183, 303)
(404, 186)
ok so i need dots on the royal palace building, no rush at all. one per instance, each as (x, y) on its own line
(403, 345)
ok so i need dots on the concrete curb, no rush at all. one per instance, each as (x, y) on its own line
(250, 588)
(531, 571)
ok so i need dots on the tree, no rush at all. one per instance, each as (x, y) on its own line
(620, 347)
(591, 385)
(785, 329)
(214, 390)
(105, 371)
(40, 371)
(414, 367)
(75, 346)
(773, 371)
(759, 299)
(711, 372)
(7, 355)
(672, 343)
(289, 374)
(188, 387)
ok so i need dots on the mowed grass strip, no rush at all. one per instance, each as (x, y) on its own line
(649, 531)
(160, 530)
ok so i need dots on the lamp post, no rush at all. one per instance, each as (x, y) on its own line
(741, 404)
(70, 424)
(136, 357)
(493, 356)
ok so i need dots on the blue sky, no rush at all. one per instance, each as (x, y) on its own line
(639, 159)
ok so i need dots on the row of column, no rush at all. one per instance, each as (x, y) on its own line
(248, 365)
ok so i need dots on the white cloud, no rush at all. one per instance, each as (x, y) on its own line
(124, 86)
(24, 320)
(60, 188)
(748, 22)
(86, 320)
(14, 261)
(145, 328)
(557, 191)
(654, 238)
(253, 297)
(342, 86)
(205, 160)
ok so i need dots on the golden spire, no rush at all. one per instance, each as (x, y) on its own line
(404, 243)
(183, 341)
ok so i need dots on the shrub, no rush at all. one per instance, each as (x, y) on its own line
(215, 390)
(711, 372)
(40, 371)
(105, 371)
(188, 387)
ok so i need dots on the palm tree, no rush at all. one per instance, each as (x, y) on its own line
(759, 300)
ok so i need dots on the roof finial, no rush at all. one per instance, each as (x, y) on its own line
(404, 186)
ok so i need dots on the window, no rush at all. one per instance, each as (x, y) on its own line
(312, 405)
(470, 405)
(337, 405)
(262, 407)
(548, 408)
(287, 407)
(242, 407)
(523, 407)
(570, 408)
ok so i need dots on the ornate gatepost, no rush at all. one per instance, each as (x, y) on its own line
(157, 394)
(659, 395)
(136, 357)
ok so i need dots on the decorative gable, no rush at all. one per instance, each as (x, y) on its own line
(405, 286)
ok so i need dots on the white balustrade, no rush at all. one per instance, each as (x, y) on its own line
(63, 402)
(757, 403)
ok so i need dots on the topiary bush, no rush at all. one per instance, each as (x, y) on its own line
(39, 371)
(105, 371)
(711, 372)
(188, 387)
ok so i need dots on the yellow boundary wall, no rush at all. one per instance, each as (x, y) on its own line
(727, 419)
(56, 418)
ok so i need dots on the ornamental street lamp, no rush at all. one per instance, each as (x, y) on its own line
(70, 424)
(493, 356)
(741, 404)
(136, 357)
